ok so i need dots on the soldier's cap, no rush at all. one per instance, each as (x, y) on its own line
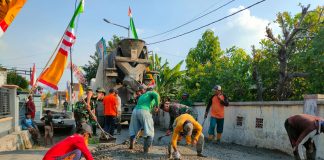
(217, 88)
(87, 128)
(100, 89)
(187, 128)
(89, 88)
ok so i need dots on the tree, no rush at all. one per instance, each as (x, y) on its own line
(16, 79)
(208, 65)
(90, 69)
(167, 81)
(297, 32)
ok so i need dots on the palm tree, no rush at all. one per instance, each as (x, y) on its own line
(167, 81)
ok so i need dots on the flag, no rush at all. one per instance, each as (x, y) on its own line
(52, 75)
(80, 91)
(101, 48)
(8, 12)
(33, 77)
(131, 23)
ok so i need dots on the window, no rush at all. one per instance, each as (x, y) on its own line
(239, 121)
(259, 123)
(4, 102)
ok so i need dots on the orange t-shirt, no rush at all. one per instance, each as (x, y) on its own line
(217, 109)
(110, 105)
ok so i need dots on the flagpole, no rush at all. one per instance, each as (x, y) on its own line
(71, 74)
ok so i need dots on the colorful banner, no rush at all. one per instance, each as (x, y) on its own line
(101, 48)
(78, 73)
(52, 75)
(8, 11)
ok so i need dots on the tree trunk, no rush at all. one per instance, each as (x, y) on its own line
(281, 87)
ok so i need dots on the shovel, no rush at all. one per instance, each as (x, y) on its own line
(108, 136)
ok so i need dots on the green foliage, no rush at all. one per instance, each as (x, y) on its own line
(230, 69)
(167, 81)
(16, 79)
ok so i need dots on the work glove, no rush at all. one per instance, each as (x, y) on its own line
(176, 155)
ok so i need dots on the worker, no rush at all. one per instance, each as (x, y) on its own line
(82, 113)
(110, 103)
(100, 108)
(92, 105)
(186, 125)
(119, 112)
(72, 147)
(304, 130)
(174, 110)
(185, 100)
(216, 105)
(142, 119)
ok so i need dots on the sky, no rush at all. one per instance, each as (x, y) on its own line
(37, 29)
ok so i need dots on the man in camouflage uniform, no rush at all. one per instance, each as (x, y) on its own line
(175, 110)
(81, 111)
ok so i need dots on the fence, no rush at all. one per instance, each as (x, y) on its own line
(4, 103)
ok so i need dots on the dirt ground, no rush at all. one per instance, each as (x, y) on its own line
(116, 151)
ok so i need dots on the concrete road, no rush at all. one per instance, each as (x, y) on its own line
(158, 151)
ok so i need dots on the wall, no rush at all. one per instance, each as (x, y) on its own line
(6, 126)
(272, 135)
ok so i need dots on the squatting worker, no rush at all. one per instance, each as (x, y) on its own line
(142, 119)
(304, 130)
(186, 125)
(72, 147)
(174, 110)
(216, 114)
(110, 111)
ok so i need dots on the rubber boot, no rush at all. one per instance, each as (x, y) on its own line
(147, 143)
(219, 136)
(210, 138)
(131, 143)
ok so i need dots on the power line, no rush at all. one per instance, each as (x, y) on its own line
(191, 20)
(180, 35)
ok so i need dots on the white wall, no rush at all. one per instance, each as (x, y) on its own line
(273, 134)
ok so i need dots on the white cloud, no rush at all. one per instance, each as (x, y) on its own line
(243, 29)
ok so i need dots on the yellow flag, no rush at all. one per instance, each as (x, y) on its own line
(80, 91)
(8, 12)
(52, 75)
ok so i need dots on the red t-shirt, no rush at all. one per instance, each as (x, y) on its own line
(31, 108)
(67, 145)
(110, 105)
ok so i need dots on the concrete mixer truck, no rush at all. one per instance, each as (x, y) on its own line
(124, 69)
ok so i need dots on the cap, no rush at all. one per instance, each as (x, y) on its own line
(217, 87)
(101, 90)
(188, 127)
(185, 94)
(89, 88)
(87, 128)
(111, 90)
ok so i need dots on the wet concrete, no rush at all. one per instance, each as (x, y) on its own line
(116, 151)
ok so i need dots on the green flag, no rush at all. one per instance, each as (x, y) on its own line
(131, 23)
